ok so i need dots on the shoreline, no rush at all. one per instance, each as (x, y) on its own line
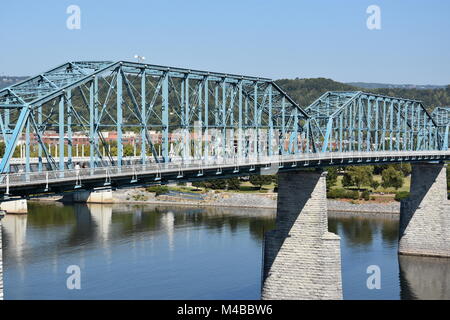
(237, 200)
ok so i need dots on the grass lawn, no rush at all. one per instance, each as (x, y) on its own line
(405, 187)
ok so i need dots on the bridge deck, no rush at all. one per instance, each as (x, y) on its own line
(153, 173)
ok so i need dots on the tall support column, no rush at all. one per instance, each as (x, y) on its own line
(206, 121)
(61, 134)
(165, 117)
(143, 117)
(39, 123)
(27, 146)
(425, 215)
(270, 138)
(224, 118)
(301, 258)
(69, 129)
(255, 120)
(92, 125)
(240, 135)
(119, 118)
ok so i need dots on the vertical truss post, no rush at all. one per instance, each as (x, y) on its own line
(405, 126)
(398, 127)
(369, 124)
(92, 125)
(143, 117)
(360, 116)
(391, 123)
(383, 135)
(240, 120)
(351, 119)
(270, 138)
(255, 120)
(39, 119)
(61, 134)
(199, 127)
(377, 111)
(341, 129)
(96, 120)
(69, 128)
(165, 117)
(206, 121)
(119, 117)
(187, 133)
(283, 124)
(224, 118)
(27, 147)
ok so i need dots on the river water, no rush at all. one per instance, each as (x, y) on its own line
(149, 252)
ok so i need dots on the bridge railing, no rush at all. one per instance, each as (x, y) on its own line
(77, 176)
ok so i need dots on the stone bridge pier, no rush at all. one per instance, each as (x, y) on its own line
(97, 195)
(425, 215)
(2, 214)
(302, 259)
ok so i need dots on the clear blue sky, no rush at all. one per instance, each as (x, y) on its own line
(277, 39)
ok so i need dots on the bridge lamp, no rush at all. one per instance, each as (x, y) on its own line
(139, 58)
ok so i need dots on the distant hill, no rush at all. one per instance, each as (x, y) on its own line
(305, 91)
(368, 85)
(6, 81)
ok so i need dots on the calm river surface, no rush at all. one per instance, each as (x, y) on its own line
(146, 252)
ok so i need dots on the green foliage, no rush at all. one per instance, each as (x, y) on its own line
(331, 177)
(198, 184)
(340, 193)
(358, 176)
(215, 184)
(260, 180)
(448, 177)
(401, 195)
(158, 189)
(392, 178)
(306, 91)
(374, 185)
(365, 195)
(233, 184)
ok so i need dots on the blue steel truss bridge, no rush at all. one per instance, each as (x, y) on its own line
(207, 125)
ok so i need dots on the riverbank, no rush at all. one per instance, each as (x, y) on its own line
(237, 200)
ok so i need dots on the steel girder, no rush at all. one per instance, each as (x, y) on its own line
(442, 117)
(199, 114)
(359, 121)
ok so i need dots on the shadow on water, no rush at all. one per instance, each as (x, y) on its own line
(179, 252)
(424, 278)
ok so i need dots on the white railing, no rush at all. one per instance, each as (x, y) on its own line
(179, 167)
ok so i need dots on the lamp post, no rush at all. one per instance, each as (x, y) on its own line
(139, 58)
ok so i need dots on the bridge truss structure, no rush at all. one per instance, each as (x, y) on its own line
(200, 119)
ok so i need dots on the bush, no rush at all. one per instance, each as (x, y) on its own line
(365, 195)
(340, 193)
(158, 190)
(401, 195)
(233, 184)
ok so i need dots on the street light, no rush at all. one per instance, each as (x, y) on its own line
(139, 58)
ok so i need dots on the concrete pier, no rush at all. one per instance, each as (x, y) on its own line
(1, 256)
(15, 206)
(301, 258)
(425, 215)
(102, 195)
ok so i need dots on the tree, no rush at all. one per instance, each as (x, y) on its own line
(358, 176)
(233, 183)
(374, 185)
(260, 180)
(331, 177)
(392, 178)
